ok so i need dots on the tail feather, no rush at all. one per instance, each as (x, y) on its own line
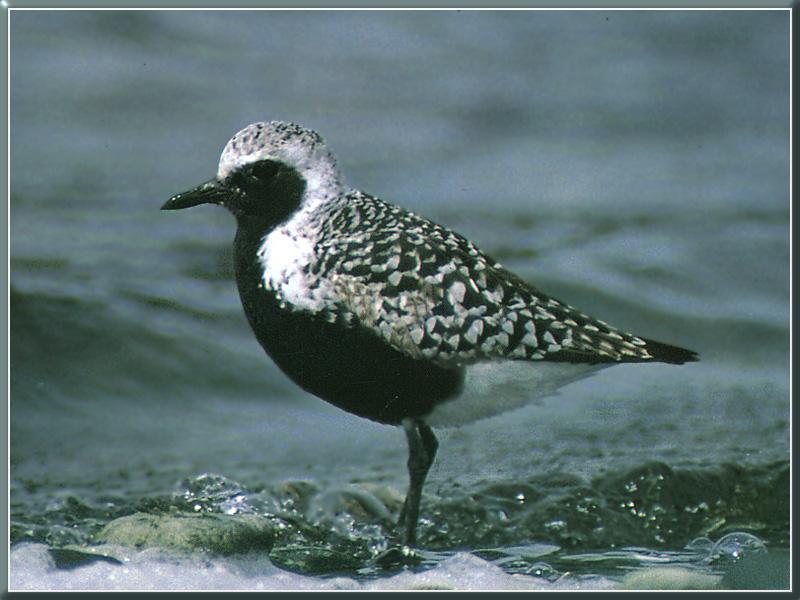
(670, 354)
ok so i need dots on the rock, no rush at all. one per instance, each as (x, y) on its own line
(214, 533)
(670, 578)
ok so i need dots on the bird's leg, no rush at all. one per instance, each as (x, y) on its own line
(414, 445)
(422, 447)
(429, 441)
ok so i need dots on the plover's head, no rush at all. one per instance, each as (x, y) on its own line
(266, 171)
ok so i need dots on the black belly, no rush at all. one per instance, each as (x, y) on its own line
(348, 366)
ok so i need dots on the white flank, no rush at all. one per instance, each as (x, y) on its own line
(494, 387)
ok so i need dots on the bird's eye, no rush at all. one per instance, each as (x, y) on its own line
(256, 178)
(264, 170)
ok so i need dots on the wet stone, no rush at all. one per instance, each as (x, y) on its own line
(214, 533)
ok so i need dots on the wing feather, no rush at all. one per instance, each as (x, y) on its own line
(431, 293)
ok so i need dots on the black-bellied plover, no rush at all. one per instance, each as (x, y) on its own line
(386, 314)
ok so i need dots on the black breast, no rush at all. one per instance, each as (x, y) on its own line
(344, 364)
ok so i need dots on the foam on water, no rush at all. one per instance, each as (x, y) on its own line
(33, 568)
(737, 561)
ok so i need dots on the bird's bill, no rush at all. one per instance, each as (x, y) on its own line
(210, 192)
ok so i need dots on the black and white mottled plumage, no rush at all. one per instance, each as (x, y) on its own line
(432, 294)
(387, 314)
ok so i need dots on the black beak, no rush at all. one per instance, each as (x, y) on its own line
(210, 192)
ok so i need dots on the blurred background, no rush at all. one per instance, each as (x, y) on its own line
(632, 163)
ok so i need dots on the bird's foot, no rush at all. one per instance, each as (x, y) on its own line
(398, 556)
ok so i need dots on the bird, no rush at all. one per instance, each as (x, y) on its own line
(386, 314)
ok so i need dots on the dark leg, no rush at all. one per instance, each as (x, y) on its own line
(422, 447)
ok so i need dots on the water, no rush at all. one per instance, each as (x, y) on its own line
(634, 164)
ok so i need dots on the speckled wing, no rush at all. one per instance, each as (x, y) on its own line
(432, 294)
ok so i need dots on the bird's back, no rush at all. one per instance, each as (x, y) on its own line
(433, 295)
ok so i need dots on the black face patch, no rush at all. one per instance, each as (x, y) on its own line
(267, 191)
